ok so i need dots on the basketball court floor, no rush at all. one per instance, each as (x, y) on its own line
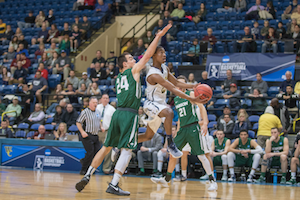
(37, 185)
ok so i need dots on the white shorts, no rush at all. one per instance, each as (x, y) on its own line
(187, 147)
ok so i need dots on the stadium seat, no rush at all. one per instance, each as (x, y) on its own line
(255, 127)
(142, 130)
(253, 118)
(49, 120)
(30, 134)
(251, 134)
(23, 126)
(221, 103)
(273, 91)
(35, 127)
(211, 117)
(9, 89)
(73, 128)
(211, 124)
(113, 99)
(20, 134)
(49, 127)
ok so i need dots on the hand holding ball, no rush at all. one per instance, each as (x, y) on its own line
(205, 90)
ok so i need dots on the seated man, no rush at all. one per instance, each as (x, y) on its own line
(71, 94)
(290, 100)
(63, 65)
(234, 103)
(5, 130)
(39, 85)
(243, 152)
(259, 84)
(20, 74)
(294, 164)
(226, 125)
(14, 108)
(72, 80)
(245, 42)
(205, 80)
(37, 117)
(228, 6)
(57, 116)
(178, 12)
(144, 154)
(227, 82)
(219, 152)
(26, 98)
(98, 74)
(276, 152)
(70, 116)
(40, 134)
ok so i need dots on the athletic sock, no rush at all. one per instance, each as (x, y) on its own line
(177, 168)
(225, 171)
(293, 175)
(184, 173)
(159, 166)
(115, 179)
(252, 172)
(263, 174)
(142, 170)
(89, 172)
(284, 175)
(168, 176)
(231, 171)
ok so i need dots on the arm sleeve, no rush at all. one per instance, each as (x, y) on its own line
(40, 117)
(258, 149)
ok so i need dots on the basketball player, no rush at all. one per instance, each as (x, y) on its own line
(159, 80)
(122, 132)
(190, 133)
(277, 150)
(294, 163)
(243, 152)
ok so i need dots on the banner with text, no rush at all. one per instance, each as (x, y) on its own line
(245, 66)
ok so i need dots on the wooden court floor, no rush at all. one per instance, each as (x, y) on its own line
(35, 185)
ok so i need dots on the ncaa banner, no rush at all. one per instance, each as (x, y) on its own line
(245, 66)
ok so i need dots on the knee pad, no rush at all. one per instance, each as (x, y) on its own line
(224, 160)
(124, 159)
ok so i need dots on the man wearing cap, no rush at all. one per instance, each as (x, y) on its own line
(266, 122)
(234, 102)
(39, 85)
(85, 80)
(112, 58)
(98, 59)
(63, 65)
(72, 80)
(14, 106)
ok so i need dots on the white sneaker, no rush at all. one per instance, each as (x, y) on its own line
(212, 186)
(224, 177)
(250, 180)
(205, 177)
(160, 180)
(231, 179)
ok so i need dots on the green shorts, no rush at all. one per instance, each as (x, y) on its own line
(275, 161)
(217, 161)
(122, 132)
(241, 161)
(191, 135)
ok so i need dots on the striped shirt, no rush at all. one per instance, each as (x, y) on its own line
(92, 120)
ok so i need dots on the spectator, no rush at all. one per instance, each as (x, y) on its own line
(258, 102)
(43, 71)
(171, 34)
(139, 50)
(76, 23)
(40, 18)
(63, 65)
(45, 60)
(88, 4)
(2, 106)
(14, 106)
(2, 27)
(160, 26)
(166, 17)
(280, 31)
(149, 37)
(101, 7)
(73, 80)
(178, 12)
(10, 55)
(255, 30)
(50, 18)
(51, 50)
(93, 89)
(265, 30)
(5, 131)
(22, 49)
(21, 40)
(98, 74)
(240, 5)
(228, 6)
(191, 79)
(296, 36)
(290, 10)
(228, 81)
(39, 85)
(125, 48)
(6, 75)
(131, 7)
(205, 80)
(296, 15)
(40, 52)
(28, 22)
(6, 37)
(291, 27)
(253, 12)
(18, 32)
(112, 58)
(85, 104)
(225, 124)
(112, 74)
(61, 133)
(77, 4)
(240, 124)
(63, 33)
(85, 28)
(19, 76)
(82, 90)
(288, 81)
(26, 99)
(269, 12)
(200, 14)
(52, 33)
(52, 109)
(290, 99)
(282, 113)
(57, 116)
(246, 43)
(40, 134)
(26, 63)
(212, 40)
(52, 61)
(37, 117)
(58, 91)
(270, 41)
(148, 149)
(75, 39)
(71, 94)
(69, 117)
(164, 5)
(14, 43)
(193, 53)
(232, 94)
(14, 63)
(266, 122)
(98, 59)
(259, 84)
(85, 79)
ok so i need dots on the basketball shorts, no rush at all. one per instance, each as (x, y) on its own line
(122, 132)
(217, 161)
(241, 161)
(190, 135)
(274, 161)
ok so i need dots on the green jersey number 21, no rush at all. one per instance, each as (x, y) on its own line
(182, 112)
(123, 85)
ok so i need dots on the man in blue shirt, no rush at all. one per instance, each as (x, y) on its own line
(101, 7)
(244, 44)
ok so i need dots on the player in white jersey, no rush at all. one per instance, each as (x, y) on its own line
(159, 80)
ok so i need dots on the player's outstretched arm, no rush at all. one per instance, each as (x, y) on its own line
(150, 51)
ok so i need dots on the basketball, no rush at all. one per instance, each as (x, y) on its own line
(205, 90)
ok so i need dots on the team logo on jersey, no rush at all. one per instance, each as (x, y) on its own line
(248, 146)
(8, 150)
(280, 143)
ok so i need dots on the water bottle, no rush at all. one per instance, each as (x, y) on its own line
(275, 178)
(215, 174)
(173, 174)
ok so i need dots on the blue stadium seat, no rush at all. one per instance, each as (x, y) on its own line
(220, 46)
(226, 25)
(211, 117)
(237, 25)
(255, 127)
(49, 127)
(9, 89)
(221, 103)
(103, 88)
(30, 78)
(113, 99)
(190, 26)
(23, 126)
(49, 120)
(182, 35)
(230, 34)
(218, 34)
(194, 34)
(142, 130)
(211, 124)
(35, 127)
(251, 134)
(20, 134)
(73, 128)
(172, 45)
(30, 134)
(253, 118)
(214, 25)
(202, 26)
(273, 90)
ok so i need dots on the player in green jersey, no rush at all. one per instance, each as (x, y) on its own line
(122, 132)
(294, 163)
(277, 150)
(243, 152)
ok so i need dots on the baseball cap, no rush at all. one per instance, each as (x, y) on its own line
(15, 98)
(112, 51)
(63, 51)
(84, 73)
(232, 85)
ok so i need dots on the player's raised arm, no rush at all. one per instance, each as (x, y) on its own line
(150, 51)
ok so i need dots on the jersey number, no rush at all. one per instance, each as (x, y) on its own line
(123, 85)
(182, 112)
